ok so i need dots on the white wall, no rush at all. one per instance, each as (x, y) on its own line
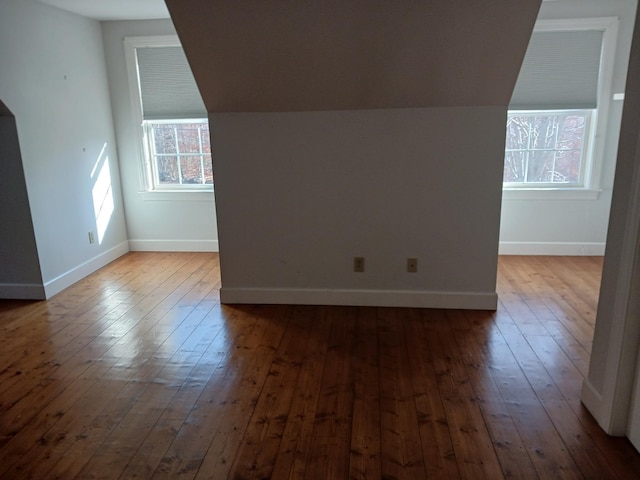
(54, 81)
(155, 221)
(573, 226)
(300, 194)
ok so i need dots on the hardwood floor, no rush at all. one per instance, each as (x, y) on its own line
(139, 372)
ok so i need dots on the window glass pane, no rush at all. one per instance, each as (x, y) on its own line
(544, 129)
(571, 134)
(168, 170)
(164, 138)
(518, 130)
(540, 167)
(206, 143)
(568, 165)
(191, 169)
(188, 138)
(208, 169)
(515, 165)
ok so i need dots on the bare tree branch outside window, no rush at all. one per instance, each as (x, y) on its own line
(545, 147)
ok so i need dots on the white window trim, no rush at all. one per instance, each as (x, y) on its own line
(147, 189)
(591, 187)
(173, 195)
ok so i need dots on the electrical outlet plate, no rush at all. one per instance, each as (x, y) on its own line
(412, 265)
(358, 264)
(91, 237)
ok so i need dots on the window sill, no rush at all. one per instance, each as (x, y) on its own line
(550, 194)
(177, 196)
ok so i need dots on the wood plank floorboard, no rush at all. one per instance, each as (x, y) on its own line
(138, 371)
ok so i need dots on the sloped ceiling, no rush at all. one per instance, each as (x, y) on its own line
(301, 55)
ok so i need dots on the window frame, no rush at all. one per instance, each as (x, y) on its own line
(148, 187)
(595, 138)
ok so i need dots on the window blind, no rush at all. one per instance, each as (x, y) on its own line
(167, 87)
(560, 71)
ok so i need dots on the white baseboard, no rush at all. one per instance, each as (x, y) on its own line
(373, 298)
(173, 245)
(552, 248)
(78, 273)
(22, 291)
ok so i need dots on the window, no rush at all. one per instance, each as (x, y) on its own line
(180, 152)
(175, 149)
(559, 105)
(546, 148)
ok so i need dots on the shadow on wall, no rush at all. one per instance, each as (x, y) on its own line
(20, 274)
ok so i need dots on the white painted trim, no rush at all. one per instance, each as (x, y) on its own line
(178, 196)
(573, 24)
(605, 97)
(633, 425)
(373, 298)
(552, 248)
(131, 63)
(514, 193)
(22, 291)
(76, 274)
(624, 337)
(153, 41)
(592, 399)
(141, 245)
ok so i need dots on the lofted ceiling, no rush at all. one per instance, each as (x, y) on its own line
(113, 9)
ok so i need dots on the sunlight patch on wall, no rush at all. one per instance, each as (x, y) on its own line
(102, 193)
